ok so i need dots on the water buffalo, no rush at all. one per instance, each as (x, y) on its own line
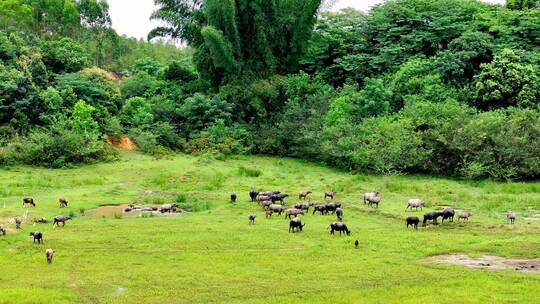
(262, 198)
(448, 213)
(329, 194)
(464, 215)
(413, 221)
(415, 203)
(269, 213)
(304, 206)
(331, 207)
(38, 236)
(431, 216)
(171, 208)
(265, 204)
(293, 211)
(49, 253)
(278, 197)
(253, 194)
(374, 200)
(510, 217)
(369, 195)
(28, 201)
(18, 223)
(251, 219)
(276, 208)
(296, 223)
(303, 195)
(63, 202)
(233, 197)
(339, 226)
(61, 219)
(339, 213)
(320, 208)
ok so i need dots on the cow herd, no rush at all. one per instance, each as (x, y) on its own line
(273, 202)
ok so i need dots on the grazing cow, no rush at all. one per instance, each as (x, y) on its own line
(49, 253)
(266, 204)
(251, 219)
(356, 244)
(28, 201)
(464, 215)
(369, 195)
(61, 219)
(431, 216)
(510, 217)
(329, 194)
(63, 202)
(233, 197)
(320, 208)
(448, 213)
(331, 207)
(415, 203)
(269, 213)
(38, 236)
(262, 198)
(303, 195)
(40, 220)
(253, 194)
(339, 213)
(304, 206)
(18, 223)
(339, 226)
(276, 208)
(2, 230)
(294, 212)
(374, 200)
(296, 223)
(171, 208)
(413, 221)
(278, 197)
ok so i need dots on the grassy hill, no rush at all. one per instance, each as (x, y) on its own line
(212, 255)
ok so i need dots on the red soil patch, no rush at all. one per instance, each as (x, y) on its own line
(122, 142)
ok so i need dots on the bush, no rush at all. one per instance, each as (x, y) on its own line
(249, 172)
(56, 147)
(65, 56)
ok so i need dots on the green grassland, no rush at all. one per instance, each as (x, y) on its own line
(212, 255)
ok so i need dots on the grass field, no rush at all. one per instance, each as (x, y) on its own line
(212, 255)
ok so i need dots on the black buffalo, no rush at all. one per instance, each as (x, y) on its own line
(296, 223)
(431, 216)
(413, 221)
(339, 226)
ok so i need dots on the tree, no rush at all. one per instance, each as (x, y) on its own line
(65, 56)
(136, 112)
(507, 81)
(83, 122)
(522, 4)
(54, 17)
(244, 38)
(199, 112)
(15, 15)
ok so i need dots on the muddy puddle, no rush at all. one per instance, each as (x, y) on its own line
(487, 262)
(128, 211)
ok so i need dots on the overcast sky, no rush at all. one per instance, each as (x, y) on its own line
(131, 17)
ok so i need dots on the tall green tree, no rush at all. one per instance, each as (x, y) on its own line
(240, 38)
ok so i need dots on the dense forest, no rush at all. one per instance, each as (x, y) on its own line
(434, 86)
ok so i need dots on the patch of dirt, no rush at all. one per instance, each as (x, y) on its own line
(122, 142)
(125, 210)
(487, 262)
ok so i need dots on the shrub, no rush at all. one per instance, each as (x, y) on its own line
(249, 172)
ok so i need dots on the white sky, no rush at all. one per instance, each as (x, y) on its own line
(131, 17)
